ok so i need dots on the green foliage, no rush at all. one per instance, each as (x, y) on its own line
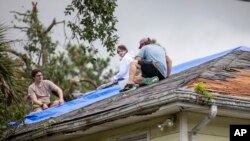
(13, 106)
(95, 20)
(15, 67)
(3, 29)
(78, 61)
(228, 69)
(39, 45)
(200, 88)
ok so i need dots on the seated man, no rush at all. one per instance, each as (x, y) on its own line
(40, 90)
(154, 63)
(123, 74)
(126, 59)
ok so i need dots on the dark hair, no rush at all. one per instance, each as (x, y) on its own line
(148, 41)
(122, 47)
(34, 72)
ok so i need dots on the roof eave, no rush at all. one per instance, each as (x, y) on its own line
(180, 98)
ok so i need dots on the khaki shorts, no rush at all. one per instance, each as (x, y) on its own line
(36, 107)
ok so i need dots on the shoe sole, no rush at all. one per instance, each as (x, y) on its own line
(129, 90)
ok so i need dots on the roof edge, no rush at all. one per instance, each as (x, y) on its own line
(166, 98)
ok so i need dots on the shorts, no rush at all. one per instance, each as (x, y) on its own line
(149, 70)
(35, 106)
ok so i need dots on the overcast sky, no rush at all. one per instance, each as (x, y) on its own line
(188, 29)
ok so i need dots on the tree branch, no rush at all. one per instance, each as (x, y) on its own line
(24, 57)
(18, 13)
(93, 83)
(12, 41)
(52, 24)
(21, 28)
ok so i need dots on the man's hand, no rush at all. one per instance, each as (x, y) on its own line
(44, 106)
(61, 101)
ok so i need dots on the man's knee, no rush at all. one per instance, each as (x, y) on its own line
(138, 79)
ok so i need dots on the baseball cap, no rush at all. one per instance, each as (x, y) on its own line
(143, 40)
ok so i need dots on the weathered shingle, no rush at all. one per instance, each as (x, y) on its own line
(227, 75)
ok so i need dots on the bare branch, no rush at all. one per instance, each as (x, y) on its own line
(77, 39)
(39, 59)
(52, 24)
(60, 22)
(18, 13)
(13, 41)
(20, 55)
(93, 83)
(22, 28)
(65, 35)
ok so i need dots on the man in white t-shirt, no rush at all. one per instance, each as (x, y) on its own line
(124, 65)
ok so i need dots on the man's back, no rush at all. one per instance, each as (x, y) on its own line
(157, 54)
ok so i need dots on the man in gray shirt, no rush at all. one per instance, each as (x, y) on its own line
(40, 90)
(154, 63)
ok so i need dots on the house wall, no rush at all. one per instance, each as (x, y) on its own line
(167, 137)
(217, 129)
(149, 126)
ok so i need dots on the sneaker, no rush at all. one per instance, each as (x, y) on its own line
(128, 87)
(149, 81)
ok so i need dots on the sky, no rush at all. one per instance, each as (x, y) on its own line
(188, 29)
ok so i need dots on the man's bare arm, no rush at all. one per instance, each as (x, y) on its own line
(60, 94)
(169, 65)
(38, 102)
(35, 100)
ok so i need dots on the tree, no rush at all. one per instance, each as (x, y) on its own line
(40, 45)
(77, 60)
(15, 67)
(80, 63)
(12, 84)
(94, 21)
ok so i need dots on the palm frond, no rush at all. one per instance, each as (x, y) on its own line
(3, 30)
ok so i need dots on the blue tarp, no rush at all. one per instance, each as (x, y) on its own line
(98, 95)
(66, 107)
(196, 62)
